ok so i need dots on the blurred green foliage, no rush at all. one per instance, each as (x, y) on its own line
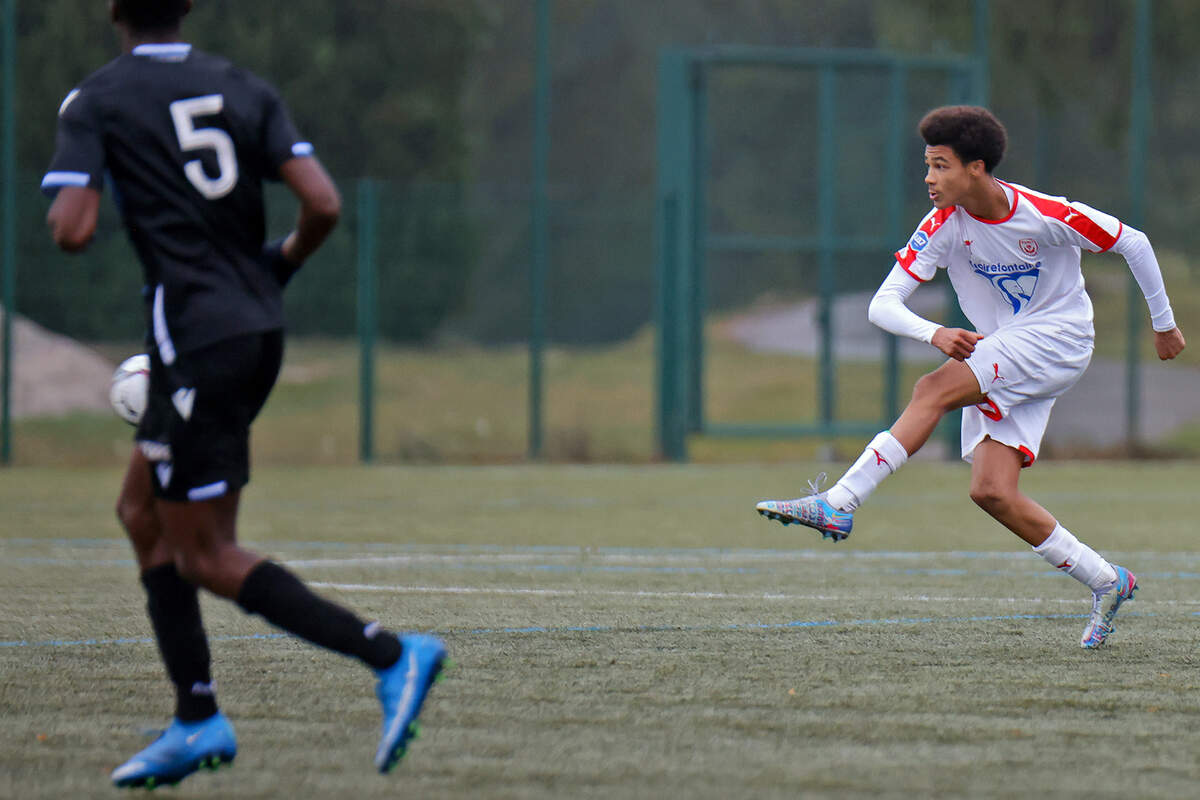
(434, 97)
(376, 84)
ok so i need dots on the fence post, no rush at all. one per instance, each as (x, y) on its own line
(674, 215)
(539, 210)
(1139, 108)
(897, 137)
(697, 299)
(368, 306)
(827, 213)
(672, 407)
(982, 35)
(8, 219)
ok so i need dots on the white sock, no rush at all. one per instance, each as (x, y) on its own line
(1064, 552)
(883, 456)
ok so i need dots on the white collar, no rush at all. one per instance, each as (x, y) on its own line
(176, 51)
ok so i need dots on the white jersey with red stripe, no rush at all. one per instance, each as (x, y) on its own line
(1020, 269)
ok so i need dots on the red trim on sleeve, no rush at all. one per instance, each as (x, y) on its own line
(911, 274)
(908, 255)
(1072, 218)
(1120, 230)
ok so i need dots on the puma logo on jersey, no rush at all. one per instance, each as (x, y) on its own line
(999, 377)
(1070, 216)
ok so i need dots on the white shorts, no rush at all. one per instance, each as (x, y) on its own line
(1022, 369)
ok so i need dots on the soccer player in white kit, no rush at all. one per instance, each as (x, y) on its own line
(1012, 255)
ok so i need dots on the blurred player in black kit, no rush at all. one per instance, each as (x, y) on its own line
(187, 140)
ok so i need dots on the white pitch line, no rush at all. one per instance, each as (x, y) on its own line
(366, 587)
(359, 560)
(586, 555)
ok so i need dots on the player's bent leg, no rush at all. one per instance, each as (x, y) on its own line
(401, 690)
(995, 476)
(951, 386)
(406, 666)
(180, 750)
(203, 538)
(138, 516)
(174, 611)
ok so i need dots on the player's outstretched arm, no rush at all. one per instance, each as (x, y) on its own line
(1169, 344)
(72, 217)
(320, 207)
(1139, 254)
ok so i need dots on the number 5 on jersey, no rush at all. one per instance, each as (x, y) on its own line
(184, 114)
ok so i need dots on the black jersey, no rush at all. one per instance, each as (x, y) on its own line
(187, 140)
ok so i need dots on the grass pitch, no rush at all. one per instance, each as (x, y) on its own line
(630, 632)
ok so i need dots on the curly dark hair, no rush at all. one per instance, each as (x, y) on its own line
(972, 132)
(151, 15)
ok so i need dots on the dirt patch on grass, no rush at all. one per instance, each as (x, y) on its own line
(54, 375)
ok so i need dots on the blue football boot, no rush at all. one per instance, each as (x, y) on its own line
(179, 751)
(813, 511)
(1105, 605)
(402, 688)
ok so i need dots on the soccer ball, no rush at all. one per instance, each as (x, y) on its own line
(130, 387)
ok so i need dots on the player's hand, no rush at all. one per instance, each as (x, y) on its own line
(1169, 343)
(956, 342)
(287, 250)
(278, 258)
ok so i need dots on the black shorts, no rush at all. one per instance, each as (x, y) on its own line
(196, 429)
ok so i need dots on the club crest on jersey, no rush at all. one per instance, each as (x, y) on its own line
(918, 241)
(1028, 246)
(1017, 282)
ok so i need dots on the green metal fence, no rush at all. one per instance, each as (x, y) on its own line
(685, 228)
(534, 270)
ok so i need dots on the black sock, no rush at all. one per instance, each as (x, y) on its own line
(283, 600)
(174, 609)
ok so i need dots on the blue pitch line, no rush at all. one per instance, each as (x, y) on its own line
(743, 626)
(710, 552)
(134, 640)
(58, 562)
(433, 566)
(775, 625)
(573, 568)
(577, 568)
(559, 549)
